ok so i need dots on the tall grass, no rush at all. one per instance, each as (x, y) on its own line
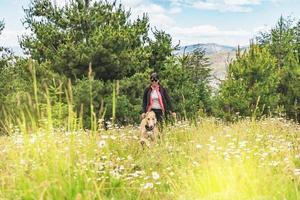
(114, 101)
(246, 160)
(43, 159)
(35, 88)
(32, 114)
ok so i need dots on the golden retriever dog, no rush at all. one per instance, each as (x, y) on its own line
(149, 130)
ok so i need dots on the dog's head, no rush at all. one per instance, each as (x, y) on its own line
(150, 121)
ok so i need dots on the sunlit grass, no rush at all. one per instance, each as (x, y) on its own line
(204, 160)
(246, 160)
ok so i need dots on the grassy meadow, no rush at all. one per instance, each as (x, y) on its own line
(86, 63)
(204, 160)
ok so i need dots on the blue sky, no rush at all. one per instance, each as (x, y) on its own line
(228, 22)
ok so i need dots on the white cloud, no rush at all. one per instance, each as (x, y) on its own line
(242, 2)
(211, 34)
(206, 33)
(9, 38)
(221, 5)
(175, 10)
(158, 15)
(265, 28)
(132, 3)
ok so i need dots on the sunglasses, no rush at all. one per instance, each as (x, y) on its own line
(154, 80)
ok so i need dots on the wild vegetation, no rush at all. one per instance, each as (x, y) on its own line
(207, 160)
(87, 65)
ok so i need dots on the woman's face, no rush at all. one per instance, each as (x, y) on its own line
(154, 82)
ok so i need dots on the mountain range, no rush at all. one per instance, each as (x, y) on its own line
(210, 48)
(219, 56)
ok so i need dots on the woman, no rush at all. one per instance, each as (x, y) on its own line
(157, 99)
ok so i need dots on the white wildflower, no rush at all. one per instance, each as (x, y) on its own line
(273, 149)
(101, 166)
(121, 168)
(219, 148)
(113, 137)
(265, 154)
(22, 162)
(101, 144)
(19, 141)
(104, 136)
(137, 173)
(155, 175)
(243, 144)
(297, 172)
(148, 186)
(274, 163)
(115, 173)
(195, 163)
(211, 148)
(103, 157)
(32, 140)
(212, 139)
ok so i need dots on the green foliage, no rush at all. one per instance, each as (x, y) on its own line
(251, 85)
(161, 49)
(283, 42)
(82, 97)
(265, 79)
(187, 78)
(128, 98)
(289, 88)
(131, 89)
(262, 81)
(69, 38)
(79, 33)
(21, 99)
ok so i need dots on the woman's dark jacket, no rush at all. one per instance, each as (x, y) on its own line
(165, 97)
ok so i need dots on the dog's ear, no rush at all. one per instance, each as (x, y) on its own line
(143, 115)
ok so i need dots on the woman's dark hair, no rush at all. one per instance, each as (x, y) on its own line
(154, 75)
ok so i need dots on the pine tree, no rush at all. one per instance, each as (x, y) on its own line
(250, 88)
(83, 32)
(161, 49)
(283, 43)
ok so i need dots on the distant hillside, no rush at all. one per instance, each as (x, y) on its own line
(210, 48)
(219, 55)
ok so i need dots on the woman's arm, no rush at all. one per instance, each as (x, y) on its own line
(168, 100)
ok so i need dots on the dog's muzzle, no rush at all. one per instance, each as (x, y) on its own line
(149, 128)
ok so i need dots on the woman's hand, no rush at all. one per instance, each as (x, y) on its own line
(173, 114)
